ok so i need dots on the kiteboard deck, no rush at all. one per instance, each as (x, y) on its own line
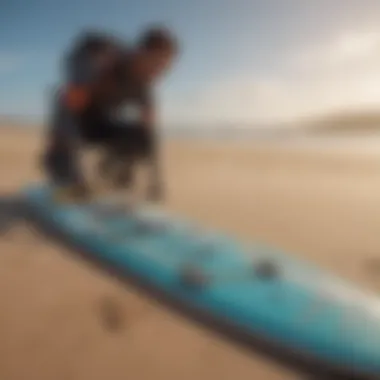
(255, 289)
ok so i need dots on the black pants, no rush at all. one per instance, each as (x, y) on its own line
(67, 134)
(130, 139)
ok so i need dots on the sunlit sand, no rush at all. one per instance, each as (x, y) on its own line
(63, 319)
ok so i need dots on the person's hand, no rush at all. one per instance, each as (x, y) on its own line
(123, 180)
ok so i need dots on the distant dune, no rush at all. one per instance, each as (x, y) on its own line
(15, 122)
(346, 121)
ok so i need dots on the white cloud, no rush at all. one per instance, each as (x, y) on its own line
(344, 72)
(348, 49)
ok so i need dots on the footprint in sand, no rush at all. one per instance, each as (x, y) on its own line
(111, 314)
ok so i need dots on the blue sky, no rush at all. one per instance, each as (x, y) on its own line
(243, 61)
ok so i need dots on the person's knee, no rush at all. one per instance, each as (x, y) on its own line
(55, 155)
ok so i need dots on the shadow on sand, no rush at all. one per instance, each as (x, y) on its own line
(12, 212)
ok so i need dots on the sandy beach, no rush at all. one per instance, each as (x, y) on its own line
(61, 318)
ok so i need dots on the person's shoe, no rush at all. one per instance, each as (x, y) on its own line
(122, 177)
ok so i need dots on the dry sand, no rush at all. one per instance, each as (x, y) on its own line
(60, 318)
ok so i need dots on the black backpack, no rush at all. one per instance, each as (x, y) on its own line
(87, 45)
(91, 42)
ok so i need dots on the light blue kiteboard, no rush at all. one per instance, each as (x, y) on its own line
(256, 290)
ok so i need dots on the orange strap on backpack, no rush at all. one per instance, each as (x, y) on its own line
(76, 97)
